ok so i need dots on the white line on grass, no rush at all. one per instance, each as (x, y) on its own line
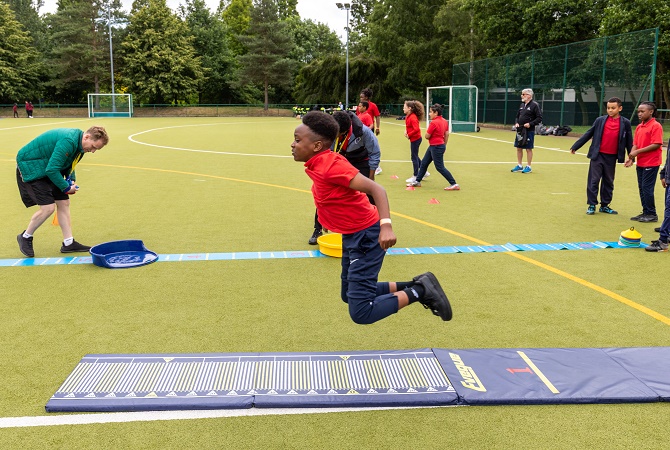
(132, 136)
(44, 124)
(150, 416)
(470, 135)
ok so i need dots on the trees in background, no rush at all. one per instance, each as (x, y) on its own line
(79, 53)
(161, 65)
(268, 44)
(396, 46)
(210, 42)
(20, 65)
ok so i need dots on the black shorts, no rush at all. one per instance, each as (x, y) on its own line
(39, 192)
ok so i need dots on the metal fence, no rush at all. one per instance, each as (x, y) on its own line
(571, 82)
(58, 110)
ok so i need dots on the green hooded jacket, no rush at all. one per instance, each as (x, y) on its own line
(52, 154)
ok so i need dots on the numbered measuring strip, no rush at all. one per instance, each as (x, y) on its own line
(181, 257)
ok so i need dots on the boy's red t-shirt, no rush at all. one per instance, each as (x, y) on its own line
(340, 208)
(436, 129)
(372, 109)
(647, 133)
(365, 118)
(412, 127)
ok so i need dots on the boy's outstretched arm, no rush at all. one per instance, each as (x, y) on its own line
(387, 238)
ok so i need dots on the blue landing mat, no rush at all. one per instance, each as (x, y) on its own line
(422, 377)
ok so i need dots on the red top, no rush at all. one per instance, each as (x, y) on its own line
(647, 133)
(412, 127)
(365, 118)
(340, 208)
(372, 109)
(609, 143)
(437, 128)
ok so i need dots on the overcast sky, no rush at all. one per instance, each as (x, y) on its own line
(323, 11)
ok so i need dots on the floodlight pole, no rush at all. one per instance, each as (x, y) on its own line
(347, 7)
(111, 54)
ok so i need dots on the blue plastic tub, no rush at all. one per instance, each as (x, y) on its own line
(122, 254)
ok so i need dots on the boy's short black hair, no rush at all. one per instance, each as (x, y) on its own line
(365, 104)
(322, 124)
(616, 100)
(343, 121)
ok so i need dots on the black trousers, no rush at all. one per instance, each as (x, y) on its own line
(601, 174)
(646, 182)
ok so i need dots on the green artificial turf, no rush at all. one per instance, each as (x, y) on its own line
(221, 199)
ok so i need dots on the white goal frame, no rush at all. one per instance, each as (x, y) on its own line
(459, 120)
(110, 105)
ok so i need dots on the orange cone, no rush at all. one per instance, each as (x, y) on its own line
(55, 220)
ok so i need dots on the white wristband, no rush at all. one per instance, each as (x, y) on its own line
(384, 221)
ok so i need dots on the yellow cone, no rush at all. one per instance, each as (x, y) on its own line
(55, 220)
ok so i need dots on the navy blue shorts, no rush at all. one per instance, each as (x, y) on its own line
(362, 258)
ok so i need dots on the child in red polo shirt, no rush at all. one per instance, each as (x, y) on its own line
(437, 135)
(611, 137)
(339, 192)
(647, 145)
(414, 112)
(362, 113)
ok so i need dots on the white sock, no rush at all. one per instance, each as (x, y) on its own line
(68, 241)
(26, 235)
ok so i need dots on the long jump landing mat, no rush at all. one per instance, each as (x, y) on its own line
(422, 377)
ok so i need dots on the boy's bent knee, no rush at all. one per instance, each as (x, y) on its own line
(360, 320)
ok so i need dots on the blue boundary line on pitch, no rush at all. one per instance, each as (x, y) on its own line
(182, 257)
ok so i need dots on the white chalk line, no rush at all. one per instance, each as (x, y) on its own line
(43, 124)
(132, 139)
(151, 416)
(182, 149)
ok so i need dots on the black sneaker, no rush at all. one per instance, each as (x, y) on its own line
(657, 229)
(607, 210)
(648, 218)
(75, 247)
(315, 236)
(26, 245)
(657, 246)
(434, 298)
(637, 218)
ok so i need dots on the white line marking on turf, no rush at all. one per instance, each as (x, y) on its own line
(132, 136)
(44, 124)
(150, 416)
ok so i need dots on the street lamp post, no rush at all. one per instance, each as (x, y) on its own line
(111, 52)
(347, 7)
(109, 19)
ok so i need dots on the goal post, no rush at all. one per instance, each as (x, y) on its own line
(460, 106)
(110, 105)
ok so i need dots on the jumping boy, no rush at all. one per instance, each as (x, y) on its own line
(647, 148)
(612, 137)
(339, 194)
